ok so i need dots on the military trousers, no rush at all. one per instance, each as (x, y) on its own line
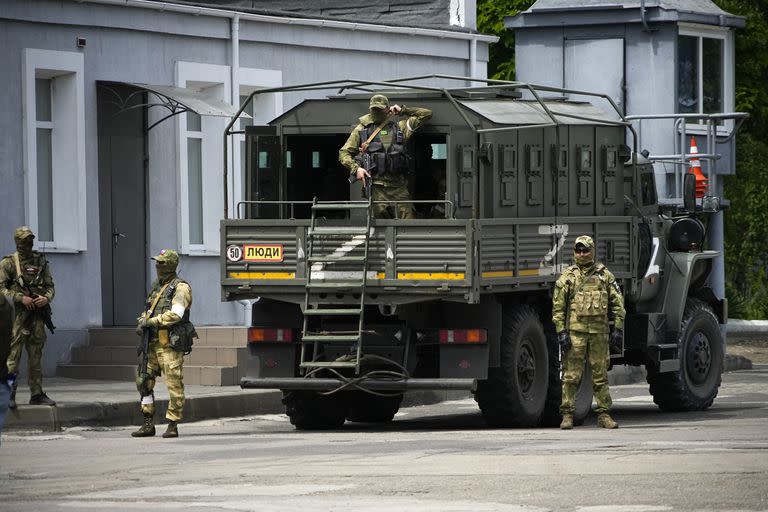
(392, 189)
(29, 333)
(170, 364)
(592, 348)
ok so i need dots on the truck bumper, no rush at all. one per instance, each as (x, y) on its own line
(298, 383)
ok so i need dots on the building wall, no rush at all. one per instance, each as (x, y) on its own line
(130, 44)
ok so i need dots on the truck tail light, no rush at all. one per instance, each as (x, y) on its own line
(463, 336)
(260, 334)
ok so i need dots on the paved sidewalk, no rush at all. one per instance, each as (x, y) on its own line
(111, 403)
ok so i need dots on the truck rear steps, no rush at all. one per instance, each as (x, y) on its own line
(325, 236)
(330, 336)
(329, 364)
(336, 259)
(333, 312)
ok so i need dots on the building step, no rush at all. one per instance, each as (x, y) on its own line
(200, 356)
(209, 336)
(199, 375)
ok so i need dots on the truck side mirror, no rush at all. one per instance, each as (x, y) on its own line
(689, 192)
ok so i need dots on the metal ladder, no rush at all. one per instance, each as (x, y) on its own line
(317, 307)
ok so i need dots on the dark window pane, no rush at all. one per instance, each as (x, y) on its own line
(195, 189)
(687, 74)
(194, 122)
(44, 185)
(43, 99)
(713, 75)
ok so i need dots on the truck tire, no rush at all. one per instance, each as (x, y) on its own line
(308, 410)
(515, 393)
(367, 408)
(694, 386)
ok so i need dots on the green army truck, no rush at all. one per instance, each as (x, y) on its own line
(352, 311)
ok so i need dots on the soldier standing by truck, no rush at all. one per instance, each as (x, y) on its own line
(26, 279)
(376, 149)
(584, 295)
(169, 337)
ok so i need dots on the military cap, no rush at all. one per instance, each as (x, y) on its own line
(22, 233)
(584, 241)
(379, 101)
(167, 256)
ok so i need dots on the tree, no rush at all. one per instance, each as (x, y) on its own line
(490, 20)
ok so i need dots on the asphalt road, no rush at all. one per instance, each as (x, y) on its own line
(432, 458)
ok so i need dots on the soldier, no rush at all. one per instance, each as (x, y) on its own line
(26, 279)
(383, 142)
(170, 337)
(584, 294)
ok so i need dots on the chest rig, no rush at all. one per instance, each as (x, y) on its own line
(381, 159)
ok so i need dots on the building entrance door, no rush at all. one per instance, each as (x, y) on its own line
(122, 203)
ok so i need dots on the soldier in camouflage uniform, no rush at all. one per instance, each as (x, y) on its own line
(584, 294)
(168, 307)
(386, 152)
(25, 278)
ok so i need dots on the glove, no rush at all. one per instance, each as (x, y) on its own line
(152, 322)
(564, 340)
(616, 343)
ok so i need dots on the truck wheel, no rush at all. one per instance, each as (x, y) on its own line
(694, 386)
(308, 410)
(514, 394)
(583, 402)
(367, 408)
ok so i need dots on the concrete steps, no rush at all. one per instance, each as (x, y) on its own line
(218, 356)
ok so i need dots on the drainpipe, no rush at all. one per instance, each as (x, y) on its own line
(247, 311)
(235, 86)
(472, 58)
(642, 16)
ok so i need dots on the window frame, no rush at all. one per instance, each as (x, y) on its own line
(700, 32)
(67, 125)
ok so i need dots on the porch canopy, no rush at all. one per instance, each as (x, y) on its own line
(176, 100)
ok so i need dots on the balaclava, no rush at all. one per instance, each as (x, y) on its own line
(584, 261)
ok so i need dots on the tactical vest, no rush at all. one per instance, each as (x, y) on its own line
(392, 160)
(31, 273)
(588, 303)
(180, 334)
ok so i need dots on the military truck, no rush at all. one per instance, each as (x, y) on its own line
(352, 311)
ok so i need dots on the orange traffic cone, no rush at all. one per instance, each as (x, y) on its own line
(701, 180)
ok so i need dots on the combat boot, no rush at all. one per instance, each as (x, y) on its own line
(172, 430)
(604, 420)
(12, 401)
(567, 423)
(147, 429)
(41, 399)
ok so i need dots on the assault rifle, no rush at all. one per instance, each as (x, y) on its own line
(142, 375)
(364, 160)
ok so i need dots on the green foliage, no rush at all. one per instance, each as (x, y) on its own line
(746, 231)
(490, 20)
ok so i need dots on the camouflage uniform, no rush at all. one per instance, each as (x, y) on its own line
(387, 186)
(28, 327)
(171, 307)
(583, 296)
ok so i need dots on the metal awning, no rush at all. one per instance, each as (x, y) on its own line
(508, 112)
(176, 100)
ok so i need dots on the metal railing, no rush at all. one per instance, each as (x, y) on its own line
(242, 205)
(490, 85)
(681, 157)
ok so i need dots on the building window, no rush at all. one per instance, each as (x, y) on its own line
(195, 177)
(703, 72)
(54, 149)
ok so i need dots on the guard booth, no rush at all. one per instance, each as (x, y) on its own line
(668, 65)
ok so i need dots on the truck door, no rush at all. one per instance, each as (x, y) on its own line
(262, 171)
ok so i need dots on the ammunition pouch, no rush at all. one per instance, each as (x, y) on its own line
(181, 336)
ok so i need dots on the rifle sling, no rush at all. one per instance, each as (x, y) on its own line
(157, 299)
(18, 269)
(364, 145)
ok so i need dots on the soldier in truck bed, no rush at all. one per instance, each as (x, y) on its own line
(386, 148)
